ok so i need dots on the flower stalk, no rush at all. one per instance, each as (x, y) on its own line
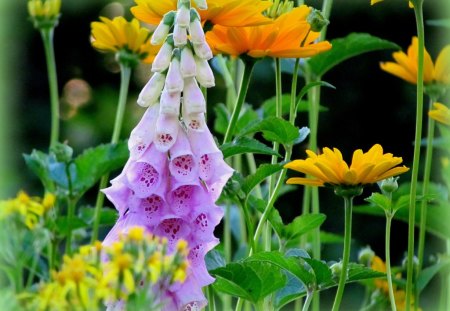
(418, 11)
(125, 74)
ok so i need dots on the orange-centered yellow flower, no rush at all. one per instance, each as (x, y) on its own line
(405, 65)
(330, 168)
(440, 113)
(118, 35)
(288, 36)
(219, 12)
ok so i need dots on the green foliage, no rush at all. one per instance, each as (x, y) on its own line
(273, 129)
(263, 171)
(74, 177)
(245, 144)
(344, 48)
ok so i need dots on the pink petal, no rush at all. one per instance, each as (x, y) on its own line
(166, 132)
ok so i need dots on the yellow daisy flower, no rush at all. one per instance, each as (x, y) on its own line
(288, 36)
(118, 35)
(330, 168)
(219, 12)
(372, 2)
(405, 65)
(47, 9)
(440, 113)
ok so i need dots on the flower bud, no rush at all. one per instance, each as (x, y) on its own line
(195, 28)
(183, 14)
(203, 50)
(201, 4)
(388, 185)
(152, 90)
(193, 99)
(170, 103)
(174, 80)
(365, 256)
(164, 56)
(317, 20)
(188, 66)
(204, 73)
(336, 270)
(194, 122)
(161, 32)
(179, 35)
(44, 13)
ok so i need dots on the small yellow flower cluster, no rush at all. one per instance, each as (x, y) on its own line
(97, 275)
(44, 13)
(382, 285)
(29, 209)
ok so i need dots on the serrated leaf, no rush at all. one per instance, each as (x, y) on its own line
(302, 224)
(344, 48)
(38, 162)
(247, 115)
(309, 86)
(291, 264)
(95, 162)
(273, 129)
(321, 270)
(359, 272)
(246, 145)
(262, 172)
(380, 201)
(250, 280)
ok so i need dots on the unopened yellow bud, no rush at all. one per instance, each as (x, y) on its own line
(44, 13)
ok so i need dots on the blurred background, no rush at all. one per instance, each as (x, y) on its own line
(368, 105)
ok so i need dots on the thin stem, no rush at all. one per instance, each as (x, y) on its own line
(388, 260)
(71, 204)
(346, 254)
(125, 74)
(32, 270)
(309, 297)
(47, 38)
(415, 168)
(240, 101)
(210, 295)
(239, 304)
(425, 188)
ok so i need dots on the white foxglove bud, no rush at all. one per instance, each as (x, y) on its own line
(204, 73)
(179, 35)
(203, 50)
(201, 4)
(166, 132)
(193, 99)
(164, 56)
(151, 91)
(195, 122)
(174, 80)
(161, 32)
(188, 66)
(195, 28)
(170, 103)
(183, 14)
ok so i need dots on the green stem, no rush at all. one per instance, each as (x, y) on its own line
(239, 304)
(71, 204)
(32, 270)
(125, 74)
(346, 254)
(415, 168)
(309, 297)
(425, 188)
(47, 38)
(388, 260)
(240, 100)
(210, 295)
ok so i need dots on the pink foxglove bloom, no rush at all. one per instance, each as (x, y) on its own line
(175, 172)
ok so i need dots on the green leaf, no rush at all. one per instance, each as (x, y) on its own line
(310, 85)
(439, 22)
(263, 171)
(95, 162)
(273, 129)
(62, 224)
(246, 145)
(428, 273)
(214, 259)
(250, 280)
(38, 162)
(247, 115)
(321, 270)
(359, 272)
(222, 117)
(108, 216)
(344, 48)
(302, 224)
(268, 107)
(379, 200)
(293, 290)
(293, 265)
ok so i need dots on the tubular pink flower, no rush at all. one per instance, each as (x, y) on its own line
(166, 132)
(183, 15)
(204, 74)
(152, 90)
(163, 58)
(179, 35)
(188, 65)
(183, 165)
(193, 99)
(142, 135)
(174, 80)
(170, 103)
(196, 29)
(203, 50)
